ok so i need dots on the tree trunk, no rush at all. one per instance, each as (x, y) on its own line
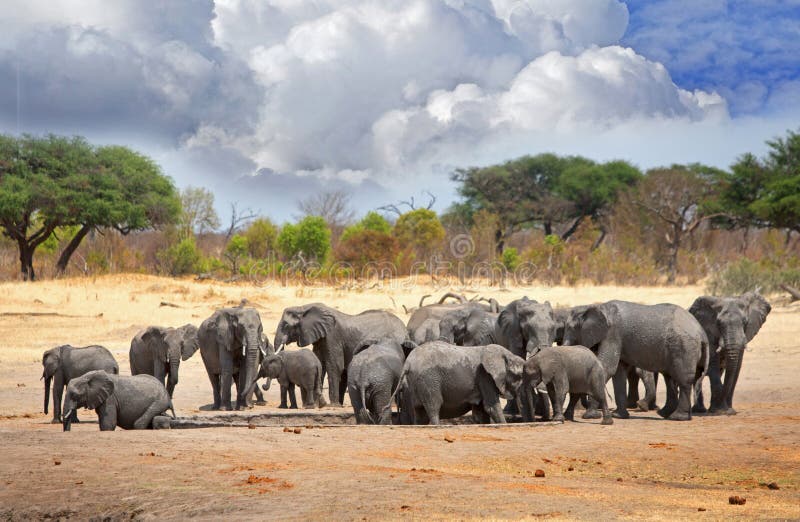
(745, 239)
(795, 293)
(499, 242)
(571, 230)
(72, 246)
(548, 228)
(26, 260)
(599, 240)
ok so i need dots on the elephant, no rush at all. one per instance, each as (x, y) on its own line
(444, 381)
(730, 323)
(135, 402)
(573, 369)
(469, 326)
(372, 376)
(230, 342)
(64, 363)
(661, 338)
(335, 337)
(158, 351)
(296, 368)
(423, 325)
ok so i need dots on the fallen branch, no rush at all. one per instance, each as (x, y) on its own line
(794, 292)
(165, 303)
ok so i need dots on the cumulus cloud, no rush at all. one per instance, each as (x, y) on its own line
(384, 97)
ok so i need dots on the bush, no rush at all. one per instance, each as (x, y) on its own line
(311, 237)
(235, 251)
(363, 247)
(181, 259)
(745, 275)
(262, 238)
(511, 259)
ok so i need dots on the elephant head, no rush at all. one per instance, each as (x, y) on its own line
(271, 368)
(587, 326)
(51, 361)
(532, 372)
(453, 326)
(530, 326)
(504, 368)
(90, 391)
(170, 346)
(731, 322)
(304, 325)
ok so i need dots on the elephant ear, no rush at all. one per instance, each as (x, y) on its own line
(594, 326)
(153, 337)
(189, 343)
(757, 310)
(508, 324)
(705, 309)
(99, 388)
(503, 367)
(51, 360)
(363, 345)
(315, 324)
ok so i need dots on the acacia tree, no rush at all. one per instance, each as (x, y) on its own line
(780, 202)
(680, 197)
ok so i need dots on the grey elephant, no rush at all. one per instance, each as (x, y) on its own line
(444, 381)
(64, 363)
(335, 337)
(469, 326)
(158, 351)
(136, 402)
(423, 325)
(730, 323)
(295, 368)
(230, 342)
(662, 338)
(573, 369)
(372, 376)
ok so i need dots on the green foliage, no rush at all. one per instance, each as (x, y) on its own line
(181, 258)
(372, 221)
(362, 247)
(310, 238)
(235, 251)
(511, 259)
(262, 238)
(745, 275)
(420, 229)
(593, 187)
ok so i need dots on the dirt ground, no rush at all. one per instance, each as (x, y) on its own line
(643, 467)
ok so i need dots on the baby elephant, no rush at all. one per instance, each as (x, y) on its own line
(573, 369)
(137, 402)
(298, 367)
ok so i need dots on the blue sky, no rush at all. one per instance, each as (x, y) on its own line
(268, 101)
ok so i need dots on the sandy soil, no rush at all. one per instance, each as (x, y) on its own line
(640, 468)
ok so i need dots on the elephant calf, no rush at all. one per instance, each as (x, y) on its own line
(296, 368)
(372, 375)
(137, 402)
(573, 369)
(64, 363)
(158, 351)
(444, 381)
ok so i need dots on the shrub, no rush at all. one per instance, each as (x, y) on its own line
(180, 259)
(262, 238)
(311, 237)
(745, 275)
(363, 247)
(235, 251)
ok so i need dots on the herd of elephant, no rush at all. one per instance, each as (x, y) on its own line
(450, 359)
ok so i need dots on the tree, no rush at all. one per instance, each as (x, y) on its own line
(126, 192)
(739, 190)
(364, 246)
(198, 215)
(333, 207)
(372, 221)
(421, 230)
(262, 238)
(235, 251)
(239, 218)
(780, 203)
(680, 197)
(310, 240)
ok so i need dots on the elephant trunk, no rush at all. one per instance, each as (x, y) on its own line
(280, 336)
(251, 371)
(69, 409)
(172, 380)
(734, 351)
(47, 379)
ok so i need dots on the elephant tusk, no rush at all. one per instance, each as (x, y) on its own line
(244, 348)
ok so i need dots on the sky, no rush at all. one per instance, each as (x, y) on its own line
(266, 102)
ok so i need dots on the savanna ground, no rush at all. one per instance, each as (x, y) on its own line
(644, 467)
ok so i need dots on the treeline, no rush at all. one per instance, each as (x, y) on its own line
(557, 220)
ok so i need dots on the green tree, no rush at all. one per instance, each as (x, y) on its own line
(372, 221)
(309, 239)
(235, 251)
(421, 230)
(262, 238)
(181, 258)
(780, 203)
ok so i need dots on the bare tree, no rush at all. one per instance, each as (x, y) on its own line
(411, 204)
(239, 218)
(198, 214)
(333, 206)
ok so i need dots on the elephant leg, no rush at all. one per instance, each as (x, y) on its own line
(334, 384)
(162, 422)
(292, 396)
(214, 378)
(107, 417)
(145, 421)
(619, 380)
(284, 393)
(714, 373)
(557, 389)
(58, 391)
(308, 398)
(526, 397)
(569, 413)
(342, 387)
(633, 388)
(479, 416)
(259, 396)
(421, 416)
(225, 381)
(684, 410)
(159, 372)
(699, 406)
(649, 381)
(672, 397)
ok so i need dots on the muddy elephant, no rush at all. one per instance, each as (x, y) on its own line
(158, 351)
(730, 323)
(444, 381)
(64, 363)
(469, 326)
(567, 369)
(136, 402)
(662, 338)
(299, 368)
(372, 377)
(335, 336)
(230, 342)
(423, 325)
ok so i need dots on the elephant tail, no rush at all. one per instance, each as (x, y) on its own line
(401, 382)
(364, 413)
(705, 357)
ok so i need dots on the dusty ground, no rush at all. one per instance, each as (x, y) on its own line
(641, 468)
